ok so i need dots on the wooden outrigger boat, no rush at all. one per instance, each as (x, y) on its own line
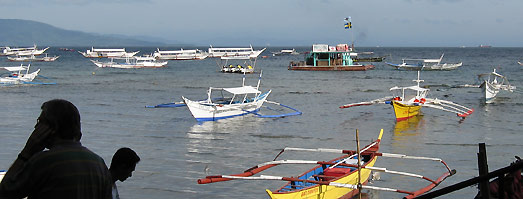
(492, 83)
(407, 105)
(342, 177)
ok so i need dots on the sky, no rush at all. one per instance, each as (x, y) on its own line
(386, 23)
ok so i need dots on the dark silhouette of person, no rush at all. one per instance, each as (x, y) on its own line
(122, 166)
(66, 170)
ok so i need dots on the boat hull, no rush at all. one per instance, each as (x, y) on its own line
(332, 68)
(315, 191)
(203, 111)
(445, 66)
(324, 191)
(403, 111)
(489, 91)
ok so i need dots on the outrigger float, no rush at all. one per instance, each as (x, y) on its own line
(407, 105)
(342, 177)
(244, 100)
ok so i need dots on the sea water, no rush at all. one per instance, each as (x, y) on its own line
(175, 150)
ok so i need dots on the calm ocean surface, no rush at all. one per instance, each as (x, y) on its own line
(175, 149)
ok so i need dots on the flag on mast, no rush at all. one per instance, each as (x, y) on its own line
(348, 23)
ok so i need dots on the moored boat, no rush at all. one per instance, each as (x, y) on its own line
(18, 75)
(241, 101)
(492, 84)
(132, 62)
(233, 51)
(407, 102)
(101, 53)
(285, 52)
(237, 64)
(180, 54)
(425, 64)
(33, 58)
(342, 177)
(325, 58)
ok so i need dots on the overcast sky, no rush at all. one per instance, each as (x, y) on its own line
(447, 23)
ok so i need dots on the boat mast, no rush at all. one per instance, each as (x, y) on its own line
(348, 25)
(418, 81)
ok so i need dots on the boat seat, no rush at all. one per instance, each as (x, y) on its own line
(336, 172)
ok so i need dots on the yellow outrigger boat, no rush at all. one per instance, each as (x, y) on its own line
(342, 177)
(407, 102)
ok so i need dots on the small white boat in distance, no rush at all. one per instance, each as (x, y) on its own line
(100, 53)
(244, 100)
(238, 64)
(227, 52)
(286, 52)
(180, 54)
(8, 51)
(18, 75)
(520, 63)
(132, 62)
(425, 64)
(492, 83)
(33, 58)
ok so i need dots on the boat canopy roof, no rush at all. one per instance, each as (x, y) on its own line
(14, 68)
(108, 50)
(416, 88)
(242, 90)
(237, 57)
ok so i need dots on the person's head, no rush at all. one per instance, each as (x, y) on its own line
(123, 164)
(63, 117)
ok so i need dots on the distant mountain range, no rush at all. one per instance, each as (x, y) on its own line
(17, 32)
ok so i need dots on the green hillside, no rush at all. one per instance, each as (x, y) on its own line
(16, 32)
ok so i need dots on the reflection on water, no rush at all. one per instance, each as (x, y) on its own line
(201, 136)
(409, 127)
(406, 129)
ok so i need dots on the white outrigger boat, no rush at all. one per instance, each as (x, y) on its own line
(132, 62)
(520, 63)
(99, 53)
(240, 101)
(18, 75)
(8, 51)
(227, 52)
(33, 58)
(425, 64)
(242, 64)
(180, 54)
(244, 100)
(492, 83)
(285, 52)
(407, 102)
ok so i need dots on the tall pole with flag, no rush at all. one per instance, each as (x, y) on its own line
(348, 25)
